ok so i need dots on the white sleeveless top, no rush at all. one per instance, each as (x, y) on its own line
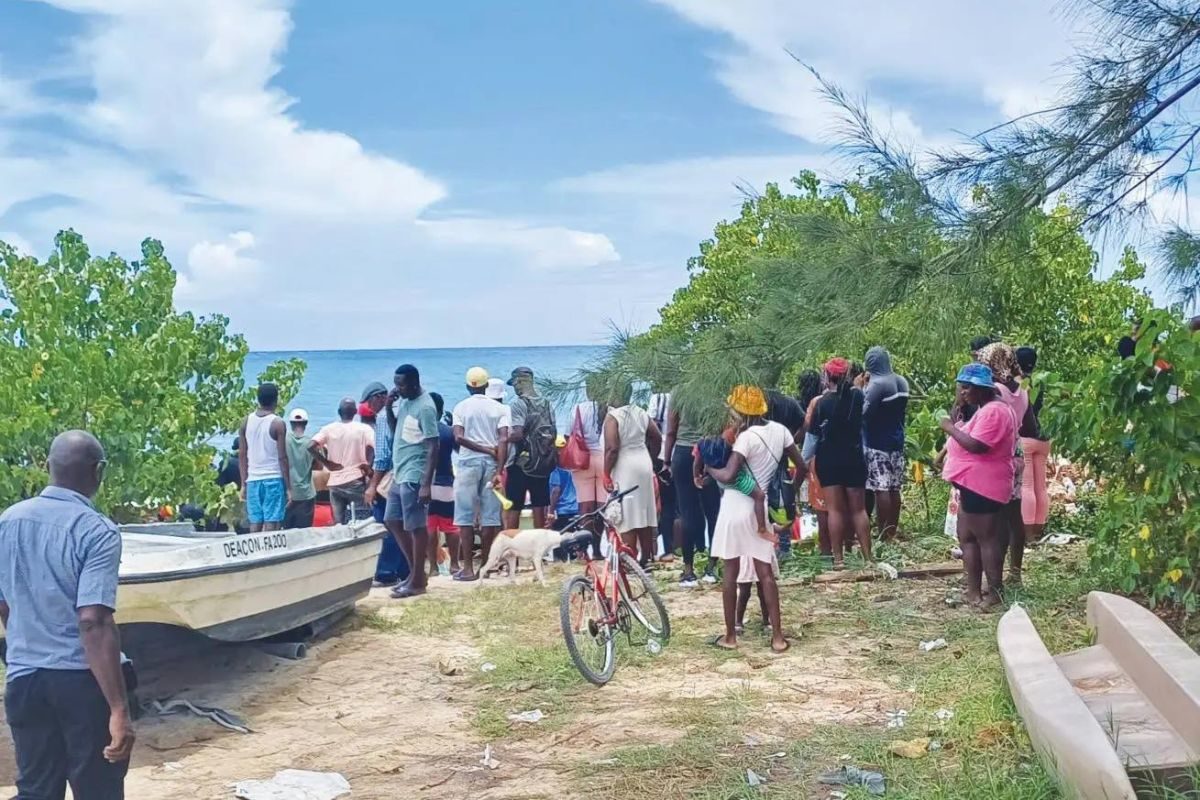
(262, 452)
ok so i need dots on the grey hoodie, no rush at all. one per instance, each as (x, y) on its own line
(885, 404)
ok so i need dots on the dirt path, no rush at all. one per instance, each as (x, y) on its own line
(371, 702)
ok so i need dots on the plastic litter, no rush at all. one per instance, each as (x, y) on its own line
(220, 716)
(888, 570)
(487, 759)
(754, 779)
(872, 781)
(487, 666)
(896, 719)
(936, 644)
(294, 784)
(1058, 539)
(943, 715)
(935, 745)
(535, 715)
(653, 647)
(912, 748)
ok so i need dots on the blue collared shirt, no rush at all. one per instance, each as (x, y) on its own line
(383, 444)
(57, 555)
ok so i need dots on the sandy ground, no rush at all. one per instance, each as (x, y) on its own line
(374, 707)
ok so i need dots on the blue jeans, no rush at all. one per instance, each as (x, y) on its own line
(392, 565)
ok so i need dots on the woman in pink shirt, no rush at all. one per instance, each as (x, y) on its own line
(979, 462)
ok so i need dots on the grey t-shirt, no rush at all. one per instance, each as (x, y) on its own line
(57, 555)
(519, 409)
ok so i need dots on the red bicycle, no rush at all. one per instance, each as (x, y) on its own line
(613, 595)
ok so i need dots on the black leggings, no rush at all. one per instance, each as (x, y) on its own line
(974, 503)
(697, 507)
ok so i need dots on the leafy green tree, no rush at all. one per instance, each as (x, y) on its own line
(96, 343)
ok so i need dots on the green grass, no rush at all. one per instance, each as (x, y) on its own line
(985, 752)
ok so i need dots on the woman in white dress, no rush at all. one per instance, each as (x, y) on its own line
(630, 436)
(761, 446)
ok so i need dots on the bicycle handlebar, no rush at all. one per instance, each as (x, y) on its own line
(615, 497)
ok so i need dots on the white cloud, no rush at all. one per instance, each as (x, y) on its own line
(219, 268)
(960, 45)
(186, 139)
(18, 243)
(686, 197)
(546, 247)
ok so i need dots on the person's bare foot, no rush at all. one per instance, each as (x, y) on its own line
(838, 566)
(972, 598)
(990, 600)
(725, 643)
(779, 645)
(1014, 578)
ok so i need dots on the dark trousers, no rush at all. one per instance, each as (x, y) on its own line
(299, 514)
(667, 514)
(59, 723)
(391, 565)
(697, 507)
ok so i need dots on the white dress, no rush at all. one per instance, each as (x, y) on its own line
(634, 468)
(736, 535)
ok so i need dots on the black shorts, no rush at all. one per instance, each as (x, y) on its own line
(517, 485)
(299, 514)
(974, 503)
(849, 473)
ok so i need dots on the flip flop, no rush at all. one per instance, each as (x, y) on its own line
(403, 593)
(465, 579)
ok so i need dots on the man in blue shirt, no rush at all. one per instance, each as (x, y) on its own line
(65, 699)
(390, 567)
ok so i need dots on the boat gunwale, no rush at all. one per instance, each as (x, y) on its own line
(239, 566)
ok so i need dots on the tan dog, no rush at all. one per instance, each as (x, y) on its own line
(531, 544)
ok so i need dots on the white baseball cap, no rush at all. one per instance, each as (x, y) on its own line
(298, 415)
(495, 389)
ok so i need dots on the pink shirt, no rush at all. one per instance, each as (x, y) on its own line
(346, 443)
(990, 473)
(1018, 401)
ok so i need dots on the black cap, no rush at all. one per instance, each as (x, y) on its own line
(372, 390)
(520, 372)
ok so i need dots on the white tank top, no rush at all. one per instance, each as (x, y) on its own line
(262, 452)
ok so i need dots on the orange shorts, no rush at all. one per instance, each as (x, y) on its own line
(816, 495)
(439, 524)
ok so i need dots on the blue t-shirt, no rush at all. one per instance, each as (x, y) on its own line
(568, 500)
(57, 555)
(416, 423)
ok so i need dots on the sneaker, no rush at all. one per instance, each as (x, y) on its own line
(709, 578)
(688, 582)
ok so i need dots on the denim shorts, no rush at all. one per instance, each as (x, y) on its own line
(266, 500)
(403, 505)
(473, 492)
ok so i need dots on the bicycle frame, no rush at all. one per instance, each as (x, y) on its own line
(610, 566)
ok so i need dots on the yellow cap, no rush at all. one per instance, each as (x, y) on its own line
(477, 377)
(561, 441)
(749, 401)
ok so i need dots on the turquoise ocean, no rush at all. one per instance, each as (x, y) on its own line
(334, 374)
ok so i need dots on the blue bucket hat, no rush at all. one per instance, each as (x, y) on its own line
(977, 375)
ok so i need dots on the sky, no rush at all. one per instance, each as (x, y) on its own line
(464, 173)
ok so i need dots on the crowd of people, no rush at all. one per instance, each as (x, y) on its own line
(466, 476)
(449, 482)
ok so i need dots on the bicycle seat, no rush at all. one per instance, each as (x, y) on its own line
(581, 540)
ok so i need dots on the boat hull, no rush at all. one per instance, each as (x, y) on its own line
(237, 589)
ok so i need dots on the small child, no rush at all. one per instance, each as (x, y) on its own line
(714, 452)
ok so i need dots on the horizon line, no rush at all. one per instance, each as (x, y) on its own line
(395, 349)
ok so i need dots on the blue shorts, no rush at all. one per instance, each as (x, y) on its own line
(473, 495)
(266, 500)
(404, 506)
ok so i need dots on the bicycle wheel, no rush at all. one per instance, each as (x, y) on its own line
(640, 595)
(590, 641)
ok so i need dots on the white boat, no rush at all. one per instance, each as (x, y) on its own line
(240, 588)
